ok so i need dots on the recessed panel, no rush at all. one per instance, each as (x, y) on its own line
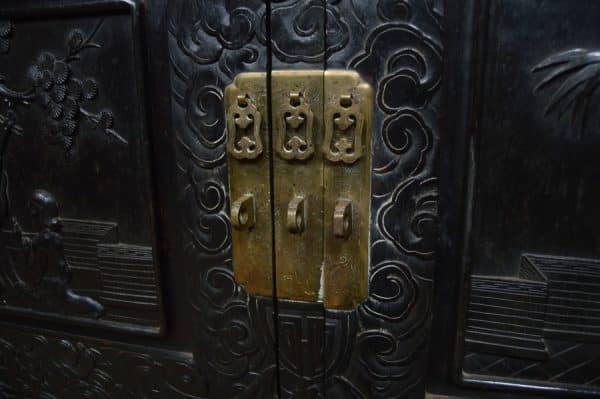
(77, 239)
(533, 310)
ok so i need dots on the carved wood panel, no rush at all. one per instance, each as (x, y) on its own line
(76, 204)
(390, 328)
(245, 346)
(397, 47)
(530, 305)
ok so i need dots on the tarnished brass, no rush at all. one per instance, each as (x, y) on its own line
(244, 123)
(344, 122)
(296, 215)
(297, 110)
(321, 200)
(342, 218)
(242, 212)
(347, 195)
(249, 182)
(294, 135)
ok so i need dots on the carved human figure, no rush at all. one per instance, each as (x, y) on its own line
(44, 251)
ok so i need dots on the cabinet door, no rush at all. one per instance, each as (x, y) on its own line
(116, 257)
(520, 208)
(379, 349)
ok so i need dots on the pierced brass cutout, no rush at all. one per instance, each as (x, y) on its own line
(321, 199)
(243, 123)
(294, 139)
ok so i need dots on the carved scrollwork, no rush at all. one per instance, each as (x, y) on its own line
(298, 31)
(209, 43)
(407, 81)
(48, 367)
(398, 49)
(409, 218)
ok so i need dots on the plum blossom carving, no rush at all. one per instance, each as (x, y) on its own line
(65, 96)
(6, 30)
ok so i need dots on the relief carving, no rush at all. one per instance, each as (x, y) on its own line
(538, 320)
(43, 366)
(234, 333)
(384, 345)
(75, 267)
(43, 254)
(577, 74)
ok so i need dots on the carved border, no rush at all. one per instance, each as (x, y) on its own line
(36, 365)
(397, 46)
(234, 333)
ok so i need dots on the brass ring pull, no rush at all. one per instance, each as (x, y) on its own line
(296, 215)
(243, 212)
(342, 218)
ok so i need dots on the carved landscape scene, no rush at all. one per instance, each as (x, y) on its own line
(76, 240)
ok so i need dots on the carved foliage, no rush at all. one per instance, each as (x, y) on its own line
(6, 30)
(61, 94)
(39, 366)
(578, 72)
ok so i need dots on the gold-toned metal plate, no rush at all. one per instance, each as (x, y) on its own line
(249, 182)
(321, 169)
(346, 150)
(297, 111)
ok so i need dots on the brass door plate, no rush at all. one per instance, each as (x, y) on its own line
(320, 142)
(249, 182)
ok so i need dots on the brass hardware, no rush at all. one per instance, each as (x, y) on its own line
(342, 218)
(347, 175)
(297, 103)
(294, 136)
(246, 102)
(296, 215)
(321, 200)
(243, 212)
(243, 126)
(343, 129)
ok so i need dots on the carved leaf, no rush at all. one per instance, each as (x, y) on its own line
(577, 74)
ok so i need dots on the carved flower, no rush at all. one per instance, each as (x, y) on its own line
(75, 39)
(6, 29)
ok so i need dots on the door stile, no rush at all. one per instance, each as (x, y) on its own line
(379, 349)
(300, 323)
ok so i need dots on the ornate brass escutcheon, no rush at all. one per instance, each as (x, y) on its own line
(244, 123)
(294, 137)
(249, 182)
(321, 199)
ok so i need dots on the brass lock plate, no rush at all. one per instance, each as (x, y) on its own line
(248, 144)
(320, 142)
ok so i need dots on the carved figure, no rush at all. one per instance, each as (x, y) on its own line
(44, 251)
